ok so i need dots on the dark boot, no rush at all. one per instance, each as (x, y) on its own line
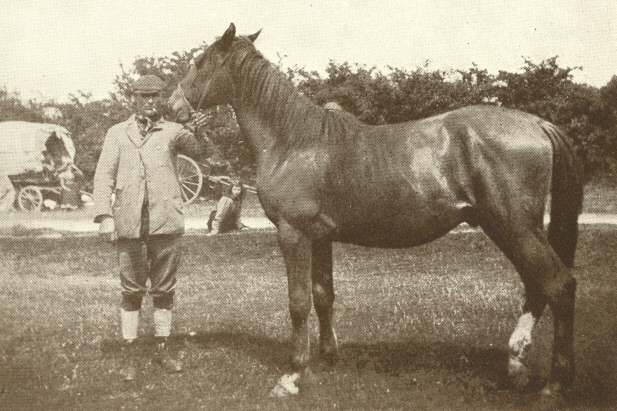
(128, 369)
(163, 357)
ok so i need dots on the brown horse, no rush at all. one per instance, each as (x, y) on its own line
(324, 176)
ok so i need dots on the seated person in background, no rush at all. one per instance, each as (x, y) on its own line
(49, 167)
(226, 217)
(70, 198)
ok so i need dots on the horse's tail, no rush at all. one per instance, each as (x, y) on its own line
(566, 195)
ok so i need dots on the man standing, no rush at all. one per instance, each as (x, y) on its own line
(137, 166)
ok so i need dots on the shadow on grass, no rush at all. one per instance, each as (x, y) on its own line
(476, 372)
(397, 358)
(268, 351)
(475, 368)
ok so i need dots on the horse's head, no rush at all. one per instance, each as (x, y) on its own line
(208, 81)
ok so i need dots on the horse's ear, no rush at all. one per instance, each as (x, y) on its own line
(228, 37)
(254, 36)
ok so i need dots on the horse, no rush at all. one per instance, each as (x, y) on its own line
(324, 176)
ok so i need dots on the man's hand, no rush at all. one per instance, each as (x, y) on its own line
(107, 230)
(198, 119)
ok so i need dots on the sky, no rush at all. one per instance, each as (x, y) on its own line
(49, 49)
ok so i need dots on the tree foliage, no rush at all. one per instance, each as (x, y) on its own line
(12, 108)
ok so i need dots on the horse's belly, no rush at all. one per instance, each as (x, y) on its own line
(396, 234)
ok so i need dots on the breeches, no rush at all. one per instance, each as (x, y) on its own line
(155, 258)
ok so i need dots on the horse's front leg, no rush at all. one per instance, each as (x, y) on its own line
(297, 253)
(323, 298)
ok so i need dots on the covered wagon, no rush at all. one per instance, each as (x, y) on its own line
(31, 157)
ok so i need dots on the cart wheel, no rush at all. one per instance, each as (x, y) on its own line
(190, 177)
(30, 198)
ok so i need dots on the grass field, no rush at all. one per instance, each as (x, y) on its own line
(418, 329)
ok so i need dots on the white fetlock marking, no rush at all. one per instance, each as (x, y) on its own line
(520, 340)
(286, 386)
(519, 344)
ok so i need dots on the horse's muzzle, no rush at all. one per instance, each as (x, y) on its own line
(180, 106)
(183, 116)
(182, 112)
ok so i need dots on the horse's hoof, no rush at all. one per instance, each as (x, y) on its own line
(518, 373)
(551, 397)
(551, 390)
(286, 386)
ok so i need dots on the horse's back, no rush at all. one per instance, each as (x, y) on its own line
(425, 177)
(510, 128)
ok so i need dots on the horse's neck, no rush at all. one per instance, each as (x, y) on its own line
(257, 130)
(271, 118)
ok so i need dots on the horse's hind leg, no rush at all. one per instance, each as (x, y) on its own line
(546, 280)
(521, 338)
(323, 297)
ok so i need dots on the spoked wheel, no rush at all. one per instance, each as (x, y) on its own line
(30, 198)
(190, 177)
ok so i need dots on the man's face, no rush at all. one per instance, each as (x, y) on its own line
(150, 105)
(236, 190)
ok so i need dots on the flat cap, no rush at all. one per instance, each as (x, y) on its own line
(148, 84)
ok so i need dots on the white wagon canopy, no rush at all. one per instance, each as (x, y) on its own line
(23, 146)
(28, 150)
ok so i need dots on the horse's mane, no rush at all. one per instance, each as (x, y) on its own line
(296, 121)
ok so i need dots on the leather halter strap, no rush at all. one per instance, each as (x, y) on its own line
(180, 90)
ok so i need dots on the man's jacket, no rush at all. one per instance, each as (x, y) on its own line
(136, 169)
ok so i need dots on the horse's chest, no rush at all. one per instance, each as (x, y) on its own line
(289, 182)
(288, 199)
